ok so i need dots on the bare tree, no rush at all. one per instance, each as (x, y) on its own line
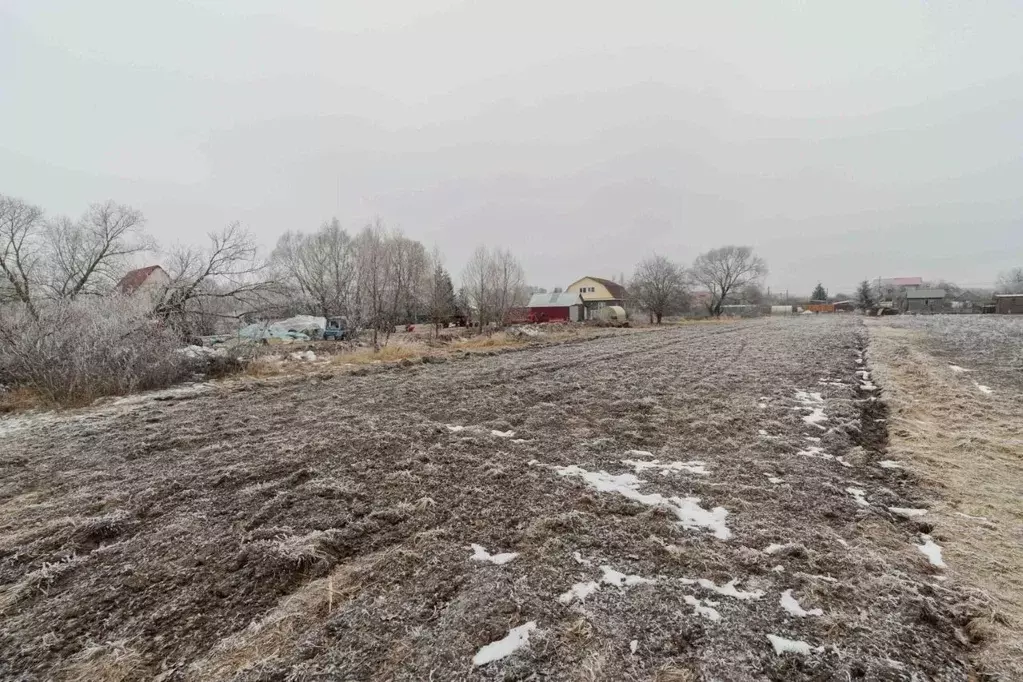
(20, 251)
(659, 287)
(226, 279)
(1010, 282)
(319, 269)
(508, 284)
(374, 277)
(724, 270)
(476, 282)
(89, 256)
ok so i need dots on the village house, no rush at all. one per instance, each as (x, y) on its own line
(149, 279)
(598, 293)
(925, 300)
(1009, 304)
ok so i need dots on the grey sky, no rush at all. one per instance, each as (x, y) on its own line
(842, 139)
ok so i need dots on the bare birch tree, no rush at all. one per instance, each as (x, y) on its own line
(724, 270)
(319, 269)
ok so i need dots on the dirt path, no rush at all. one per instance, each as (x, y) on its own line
(672, 499)
(953, 387)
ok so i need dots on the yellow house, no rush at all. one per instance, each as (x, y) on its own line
(598, 293)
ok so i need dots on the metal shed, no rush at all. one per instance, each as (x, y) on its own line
(562, 307)
(1009, 304)
(925, 300)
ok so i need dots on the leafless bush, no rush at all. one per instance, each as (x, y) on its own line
(72, 352)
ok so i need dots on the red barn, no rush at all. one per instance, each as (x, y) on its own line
(564, 307)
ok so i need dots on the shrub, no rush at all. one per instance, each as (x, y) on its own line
(75, 352)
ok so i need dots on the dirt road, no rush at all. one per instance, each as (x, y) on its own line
(682, 504)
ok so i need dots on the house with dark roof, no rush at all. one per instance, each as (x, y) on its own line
(925, 300)
(598, 293)
(148, 279)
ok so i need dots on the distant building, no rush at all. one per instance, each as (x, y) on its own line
(1009, 304)
(925, 300)
(149, 280)
(598, 293)
(902, 283)
(563, 307)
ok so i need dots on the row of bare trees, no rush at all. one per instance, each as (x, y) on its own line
(663, 287)
(49, 262)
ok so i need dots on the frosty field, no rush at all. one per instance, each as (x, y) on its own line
(705, 502)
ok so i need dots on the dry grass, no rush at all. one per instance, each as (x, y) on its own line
(110, 662)
(21, 399)
(966, 446)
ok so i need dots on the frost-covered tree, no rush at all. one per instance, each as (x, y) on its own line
(819, 294)
(659, 287)
(725, 270)
(1011, 282)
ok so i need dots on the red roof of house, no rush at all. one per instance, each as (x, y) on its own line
(136, 278)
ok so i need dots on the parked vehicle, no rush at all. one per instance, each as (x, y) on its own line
(337, 329)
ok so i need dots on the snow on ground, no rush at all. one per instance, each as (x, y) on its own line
(579, 591)
(932, 550)
(694, 467)
(619, 579)
(792, 646)
(726, 590)
(502, 434)
(633, 646)
(688, 510)
(959, 370)
(859, 495)
(773, 548)
(516, 638)
(907, 512)
(987, 390)
(776, 480)
(814, 402)
(890, 464)
(580, 560)
(480, 554)
(791, 605)
(703, 608)
(815, 451)
(454, 428)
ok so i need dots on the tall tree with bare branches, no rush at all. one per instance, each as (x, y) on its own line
(20, 251)
(659, 287)
(725, 270)
(88, 256)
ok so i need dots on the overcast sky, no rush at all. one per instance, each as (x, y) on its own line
(843, 140)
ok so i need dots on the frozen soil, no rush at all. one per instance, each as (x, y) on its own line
(322, 528)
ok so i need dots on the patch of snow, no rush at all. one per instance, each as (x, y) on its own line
(932, 550)
(579, 591)
(792, 646)
(307, 356)
(773, 548)
(889, 464)
(519, 440)
(842, 542)
(480, 554)
(762, 406)
(813, 439)
(775, 480)
(455, 429)
(687, 509)
(816, 417)
(619, 579)
(693, 467)
(728, 589)
(762, 432)
(699, 609)
(633, 646)
(959, 370)
(639, 453)
(841, 460)
(983, 389)
(816, 452)
(868, 386)
(859, 495)
(778, 569)
(907, 512)
(502, 434)
(789, 603)
(515, 639)
(579, 559)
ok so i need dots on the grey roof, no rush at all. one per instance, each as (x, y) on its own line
(926, 293)
(562, 300)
